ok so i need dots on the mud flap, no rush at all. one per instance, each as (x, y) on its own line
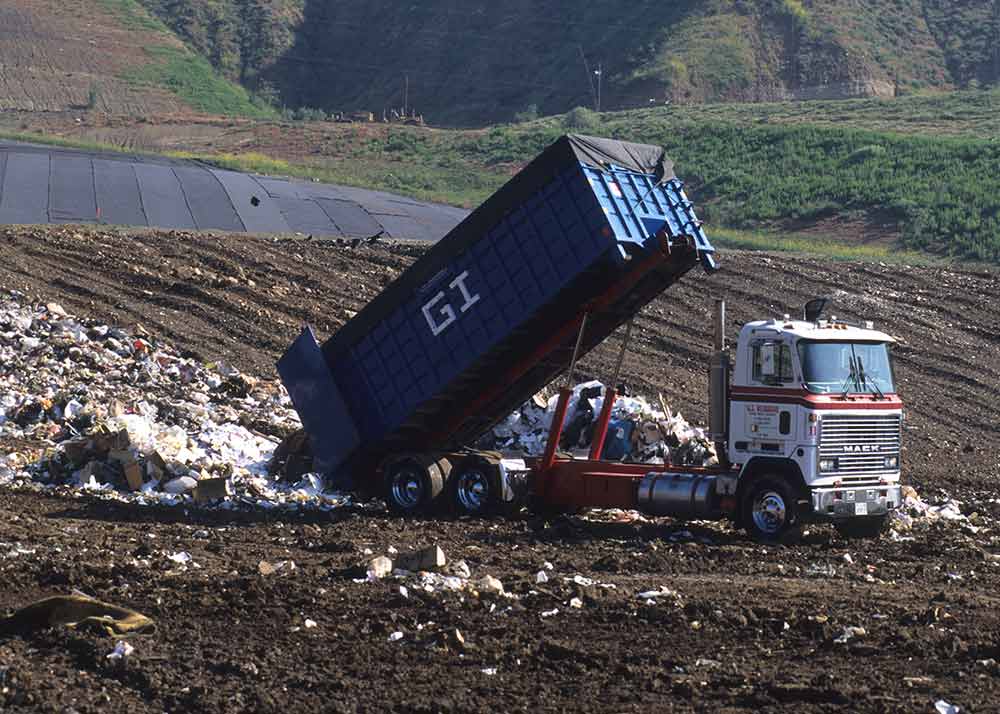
(324, 414)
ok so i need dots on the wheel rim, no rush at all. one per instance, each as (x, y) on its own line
(407, 488)
(472, 489)
(769, 512)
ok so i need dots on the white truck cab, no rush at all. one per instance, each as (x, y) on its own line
(812, 404)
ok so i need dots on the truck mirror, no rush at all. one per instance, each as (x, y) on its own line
(767, 364)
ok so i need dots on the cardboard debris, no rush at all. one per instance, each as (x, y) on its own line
(211, 489)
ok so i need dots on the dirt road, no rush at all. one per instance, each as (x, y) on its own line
(736, 627)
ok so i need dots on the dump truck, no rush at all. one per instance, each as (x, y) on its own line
(804, 415)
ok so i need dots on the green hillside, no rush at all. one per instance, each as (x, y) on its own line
(481, 62)
(176, 68)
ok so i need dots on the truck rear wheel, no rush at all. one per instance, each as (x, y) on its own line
(412, 487)
(476, 489)
(862, 528)
(770, 511)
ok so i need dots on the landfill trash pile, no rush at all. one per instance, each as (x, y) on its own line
(117, 412)
(914, 509)
(637, 432)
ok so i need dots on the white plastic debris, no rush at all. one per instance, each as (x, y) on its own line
(541, 577)
(489, 671)
(309, 624)
(653, 594)
(943, 707)
(395, 636)
(550, 613)
(182, 484)
(121, 651)
(181, 558)
(576, 603)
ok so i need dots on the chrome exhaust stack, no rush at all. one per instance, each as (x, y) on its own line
(718, 387)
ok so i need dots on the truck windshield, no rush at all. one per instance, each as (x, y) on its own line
(846, 367)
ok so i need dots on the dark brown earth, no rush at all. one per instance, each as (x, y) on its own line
(754, 627)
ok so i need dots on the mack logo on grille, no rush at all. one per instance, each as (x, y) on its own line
(861, 448)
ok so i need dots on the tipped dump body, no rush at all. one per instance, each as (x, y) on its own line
(486, 317)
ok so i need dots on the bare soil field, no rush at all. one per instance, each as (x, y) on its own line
(743, 628)
(53, 52)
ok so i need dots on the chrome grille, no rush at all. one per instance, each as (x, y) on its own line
(860, 443)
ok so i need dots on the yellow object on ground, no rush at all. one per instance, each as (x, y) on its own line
(78, 612)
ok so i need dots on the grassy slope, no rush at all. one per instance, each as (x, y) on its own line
(179, 70)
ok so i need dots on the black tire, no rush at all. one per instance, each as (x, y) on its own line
(412, 487)
(475, 489)
(769, 511)
(862, 528)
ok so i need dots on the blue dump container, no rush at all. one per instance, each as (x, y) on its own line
(479, 323)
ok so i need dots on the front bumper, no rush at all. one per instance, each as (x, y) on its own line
(840, 502)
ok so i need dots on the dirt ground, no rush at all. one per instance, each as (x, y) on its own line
(749, 628)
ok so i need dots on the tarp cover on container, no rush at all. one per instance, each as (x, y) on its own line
(602, 153)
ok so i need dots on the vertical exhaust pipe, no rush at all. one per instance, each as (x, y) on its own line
(718, 387)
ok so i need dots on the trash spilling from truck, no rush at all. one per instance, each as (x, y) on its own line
(638, 432)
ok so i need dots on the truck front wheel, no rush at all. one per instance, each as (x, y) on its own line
(769, 510)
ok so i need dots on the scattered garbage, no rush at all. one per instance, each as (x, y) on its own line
(182, 558)
(663, 592)
(638, 432)
(281, 567)
(379, 567)
(121, 651)
(849, 634)
(944, 707)
(124, 416)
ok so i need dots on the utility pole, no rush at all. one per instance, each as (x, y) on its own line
(600, 74)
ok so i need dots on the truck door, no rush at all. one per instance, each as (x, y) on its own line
(769, 425)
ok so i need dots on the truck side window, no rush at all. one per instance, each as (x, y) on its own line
(772, 362)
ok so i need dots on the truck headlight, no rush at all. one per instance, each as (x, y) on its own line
(827, 464)
(892, 462)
